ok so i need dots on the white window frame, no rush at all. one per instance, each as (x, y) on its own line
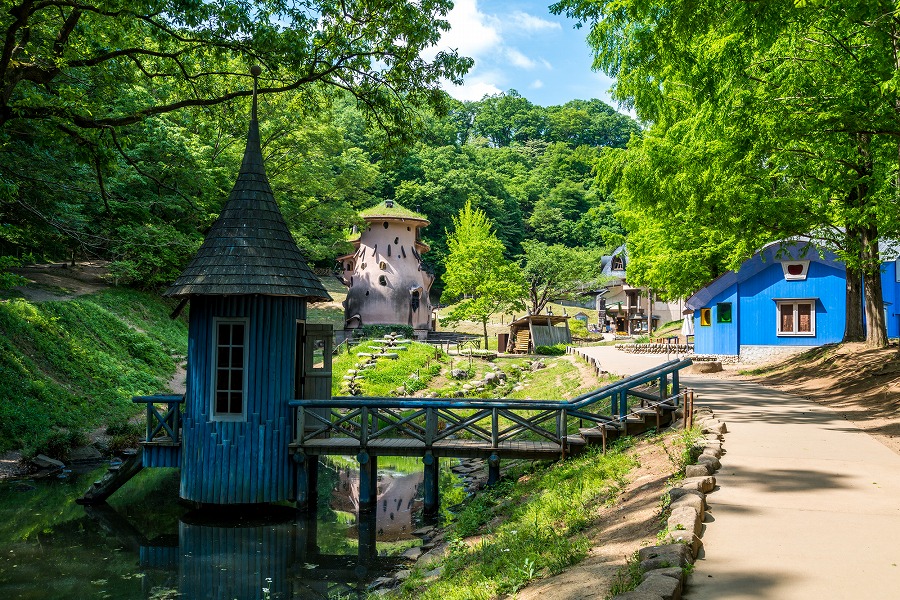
(232, 417)
(779, 302)
(804, 265)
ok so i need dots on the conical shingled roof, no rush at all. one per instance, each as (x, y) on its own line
(249, 249)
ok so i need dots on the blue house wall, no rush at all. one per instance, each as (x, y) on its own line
(719, 338)
(891, 292)
(242, 462)
(827, 284)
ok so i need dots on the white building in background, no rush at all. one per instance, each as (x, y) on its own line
(627, 307)
(387, 281)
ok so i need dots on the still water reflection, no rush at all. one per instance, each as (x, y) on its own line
(146, 545)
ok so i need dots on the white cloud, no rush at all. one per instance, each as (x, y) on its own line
(472, 32)
(474, 90)
(536, 84)
(517, 59)
(525, 22)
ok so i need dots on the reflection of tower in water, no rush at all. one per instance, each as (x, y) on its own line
(399, 498)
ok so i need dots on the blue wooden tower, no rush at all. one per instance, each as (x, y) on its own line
(250, 350)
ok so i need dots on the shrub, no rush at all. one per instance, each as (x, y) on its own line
(379, 331)
(555, 350)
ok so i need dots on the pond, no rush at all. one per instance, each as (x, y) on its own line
(144, 544)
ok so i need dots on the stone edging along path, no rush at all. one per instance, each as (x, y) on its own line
(664, 566)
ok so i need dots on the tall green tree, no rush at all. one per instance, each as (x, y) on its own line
(769, 119)
(556, 272)
(119, 119)
(478, 278)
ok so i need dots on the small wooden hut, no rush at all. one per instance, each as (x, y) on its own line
(531, 331)
(250, 350)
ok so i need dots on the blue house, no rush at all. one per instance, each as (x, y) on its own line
(787, 296)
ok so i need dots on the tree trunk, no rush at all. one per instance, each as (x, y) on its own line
(484, 326)
(854, 331)
(876, 328)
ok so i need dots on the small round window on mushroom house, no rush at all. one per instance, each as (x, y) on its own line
(385, 224)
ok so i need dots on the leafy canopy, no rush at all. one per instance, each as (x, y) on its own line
(478, 272)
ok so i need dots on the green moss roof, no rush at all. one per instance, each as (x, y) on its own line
(396, 211)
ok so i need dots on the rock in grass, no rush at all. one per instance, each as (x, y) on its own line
(668, 588)
(701, 484)
(698, 470)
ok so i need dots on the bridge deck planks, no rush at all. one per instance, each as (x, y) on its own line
(441, 448)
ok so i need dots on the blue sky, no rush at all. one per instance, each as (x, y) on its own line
(520, 45)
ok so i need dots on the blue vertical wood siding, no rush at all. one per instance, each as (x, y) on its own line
(891, 292)
(718, 338)
(241, 462)
(161, 456)
(825, 283)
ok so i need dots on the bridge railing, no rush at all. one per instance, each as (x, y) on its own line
(167, 422)
(494, 421)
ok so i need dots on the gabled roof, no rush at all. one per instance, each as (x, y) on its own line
(249, 249)
(770, 254)
(606, 262)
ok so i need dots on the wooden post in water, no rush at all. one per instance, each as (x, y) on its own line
(493, 469)
(307, 481)
(368, 481)
(432, 491)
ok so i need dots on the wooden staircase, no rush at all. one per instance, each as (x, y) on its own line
(643, 420)
(115, 477)
(523, 341)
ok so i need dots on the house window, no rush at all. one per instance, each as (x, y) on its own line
(795, 270)
(705, 317)
(414, 301)
(723, 312)
(382, 280)
(617, 264)
(386, 225)
(230, 372)
(382, 265)
(796, 317)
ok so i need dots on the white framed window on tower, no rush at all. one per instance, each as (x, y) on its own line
(229, 384)
(796, 317)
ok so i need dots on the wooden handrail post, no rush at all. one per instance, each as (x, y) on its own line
(430, 427)
(173, 407)
(495, 428)
(301, 424)
(149, 435)
(364, 427)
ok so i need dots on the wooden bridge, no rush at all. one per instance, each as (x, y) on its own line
(494, 430)
(475, 428)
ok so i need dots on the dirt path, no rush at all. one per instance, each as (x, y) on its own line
(62, 281)
(860, 383)
(619, 531)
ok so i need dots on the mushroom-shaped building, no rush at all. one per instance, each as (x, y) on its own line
(388, 283)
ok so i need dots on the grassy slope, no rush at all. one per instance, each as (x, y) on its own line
(69, 366)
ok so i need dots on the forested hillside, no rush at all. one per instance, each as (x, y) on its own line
(529, 168)
(121, 132)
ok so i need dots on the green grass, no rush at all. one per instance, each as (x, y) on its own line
(70, 366)
(416, 365)
(544, 516)
(559, 380)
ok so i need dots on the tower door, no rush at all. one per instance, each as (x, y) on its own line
(313, 377)
(314, 347)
